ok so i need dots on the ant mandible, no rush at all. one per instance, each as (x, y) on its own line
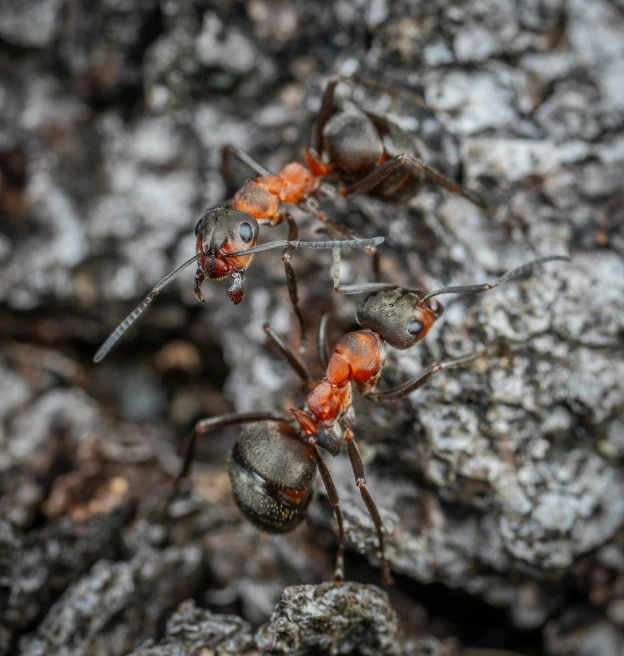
(273, 465)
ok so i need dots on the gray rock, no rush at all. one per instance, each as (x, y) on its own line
(116, 605)
(30, 24)
(192, 630)
(335, 620)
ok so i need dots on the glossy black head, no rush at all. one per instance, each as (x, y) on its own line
(399, 316)
(352, 142)
(271, 475)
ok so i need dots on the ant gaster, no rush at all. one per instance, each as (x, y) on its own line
(272, 466)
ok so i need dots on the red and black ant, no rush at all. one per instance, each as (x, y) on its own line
(272, 466)
(226, 243)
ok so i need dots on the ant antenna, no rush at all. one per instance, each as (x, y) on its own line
(339, 244)
(138, 311)
(486, 286)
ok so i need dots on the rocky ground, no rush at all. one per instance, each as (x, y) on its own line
(501, 486)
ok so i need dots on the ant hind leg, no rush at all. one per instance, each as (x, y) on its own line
(204, 426)
(334, 502)
(360, 481)
(380, 173)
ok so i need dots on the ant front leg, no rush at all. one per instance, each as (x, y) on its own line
(377, 176)
(433, 370)
(200, 276)
(360, 480)
(291, 277)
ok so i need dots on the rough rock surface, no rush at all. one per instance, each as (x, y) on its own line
(501, 486)
(325, 619)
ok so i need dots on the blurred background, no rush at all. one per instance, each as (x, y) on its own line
(501, 486)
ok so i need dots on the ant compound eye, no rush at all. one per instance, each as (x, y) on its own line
(245, 232)
(414, 327)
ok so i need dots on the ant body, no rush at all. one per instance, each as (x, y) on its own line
(272, 467)
(371, 154)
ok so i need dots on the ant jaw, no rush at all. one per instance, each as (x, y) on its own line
(237, 291)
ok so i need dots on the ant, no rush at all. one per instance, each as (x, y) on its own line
(226, 243)
(273, 465)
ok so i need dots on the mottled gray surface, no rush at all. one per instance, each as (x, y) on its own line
(503, 481)
(350, 619)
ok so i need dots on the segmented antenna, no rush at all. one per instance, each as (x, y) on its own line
(138, 311)
(339, 244)
(484, 287)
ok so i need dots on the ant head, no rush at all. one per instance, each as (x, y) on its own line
(221, 231)
(352, 142)
(400, 316)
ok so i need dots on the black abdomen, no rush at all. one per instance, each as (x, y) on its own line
(271, 475)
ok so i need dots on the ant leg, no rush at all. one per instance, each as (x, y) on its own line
(204, 426)
(199, 279)
(334, 502)
(230, 150)
(321, 341)
(381, 172)
(395, 91)
(324, 114)
(291, 277)
(433, 370)
(290, 356)
(362, 288)
(360, 481)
